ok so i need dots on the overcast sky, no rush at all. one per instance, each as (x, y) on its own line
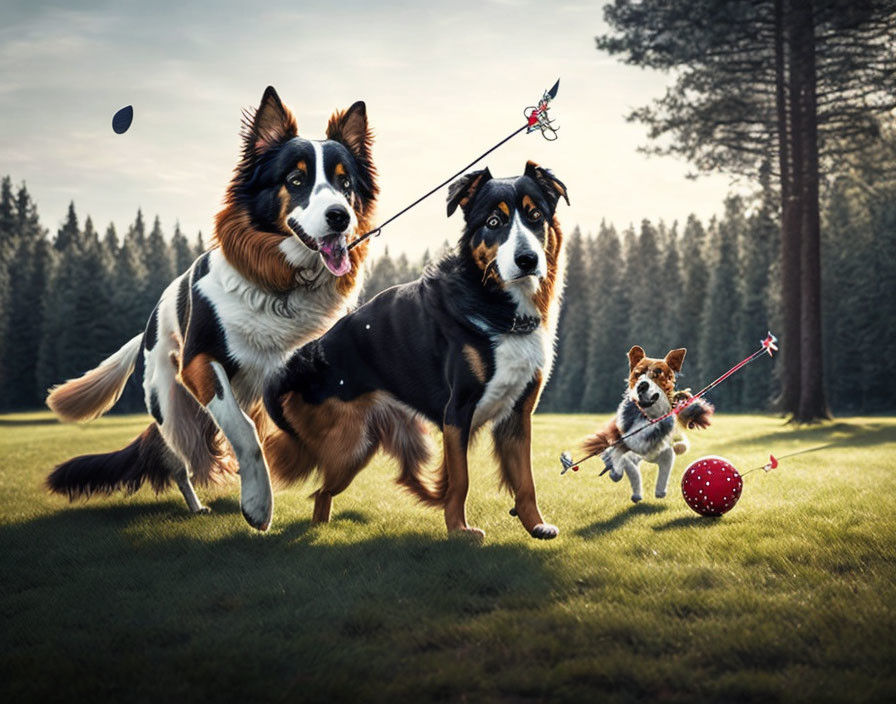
(442, 83)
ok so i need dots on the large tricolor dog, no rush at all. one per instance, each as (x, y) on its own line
(470, 342)
(644, 427)
(278, 275)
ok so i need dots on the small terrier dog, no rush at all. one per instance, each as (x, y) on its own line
(634, 433)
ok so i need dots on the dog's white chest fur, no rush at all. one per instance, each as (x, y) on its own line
(262, 330)
(517, 359)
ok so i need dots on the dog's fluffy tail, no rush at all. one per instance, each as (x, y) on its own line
(147, 458)
(602, 439)
(94, 393)
(406, 439)
(698, 414)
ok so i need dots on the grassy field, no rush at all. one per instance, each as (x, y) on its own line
(790, 597)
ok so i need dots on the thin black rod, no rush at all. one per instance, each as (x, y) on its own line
(444, 183)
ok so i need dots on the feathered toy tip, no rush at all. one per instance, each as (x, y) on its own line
(696, 414)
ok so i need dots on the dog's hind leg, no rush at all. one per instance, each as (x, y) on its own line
(631, 465)
(179, 419)
(665, 460)
(336, 478)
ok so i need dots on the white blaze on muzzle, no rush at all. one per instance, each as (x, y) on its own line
(656, 408)
(312, 219)
(520, 240)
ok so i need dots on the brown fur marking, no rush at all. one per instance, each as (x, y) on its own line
(602, 439)
(254, 253)
(199, 377)
(474, 359)
(553, 244)
(484, 255)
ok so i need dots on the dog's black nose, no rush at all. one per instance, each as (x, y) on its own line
(337, 218)
(642, 387)
(526, 261)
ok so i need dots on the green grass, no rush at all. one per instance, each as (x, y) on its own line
(790, 597)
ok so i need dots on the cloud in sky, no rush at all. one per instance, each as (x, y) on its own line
(442, 83)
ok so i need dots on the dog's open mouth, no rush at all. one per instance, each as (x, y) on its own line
(332, 249)
(334, 252)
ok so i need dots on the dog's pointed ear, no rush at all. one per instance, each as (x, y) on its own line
(675, 359)
(552, 186)
(351, 129)
(462, 191)
(635, 355)
(270, 124)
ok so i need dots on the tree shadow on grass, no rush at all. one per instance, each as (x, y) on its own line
(23, 422)
(93, 596)
(620, 519)
(837, 434)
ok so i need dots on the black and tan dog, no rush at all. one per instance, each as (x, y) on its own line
(471, 341)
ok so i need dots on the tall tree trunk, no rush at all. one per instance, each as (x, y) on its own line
(812, 403)
(791, 199)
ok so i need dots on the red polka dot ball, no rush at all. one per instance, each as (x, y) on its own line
(711, 486)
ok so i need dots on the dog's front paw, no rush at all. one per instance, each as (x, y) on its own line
(256, 494)
(545, 531)
(201, 510)
(660, 494)
(636, 498)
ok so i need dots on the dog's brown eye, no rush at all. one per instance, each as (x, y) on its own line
(296, 179)
(493, 223)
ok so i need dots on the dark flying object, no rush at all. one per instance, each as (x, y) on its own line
(121, 121)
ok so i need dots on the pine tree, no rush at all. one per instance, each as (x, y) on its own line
(68, 233)
(608, 325)
(181, 252)
(137, 231)
(159, 266)
(691, 301)
(7, 249)
(670, 287)
(566, 388)
(718, 344)
(759, 250)
(382, 276)
(200, 247)
(30, 268)
(648, 300)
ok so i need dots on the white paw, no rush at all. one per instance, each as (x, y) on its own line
(256, 494)
(545, 531)
(660, 494)
(636, 498)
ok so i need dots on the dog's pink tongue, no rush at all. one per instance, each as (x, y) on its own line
(336, 259)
